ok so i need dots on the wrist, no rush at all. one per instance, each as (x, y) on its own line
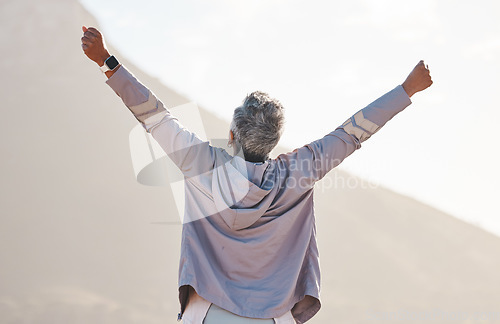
(100, 61)
(409, 91)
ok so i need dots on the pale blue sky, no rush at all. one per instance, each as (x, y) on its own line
(325, 60)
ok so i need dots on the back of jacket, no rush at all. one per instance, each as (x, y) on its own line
(248, 235)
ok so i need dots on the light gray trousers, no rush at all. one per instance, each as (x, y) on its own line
(217, 315)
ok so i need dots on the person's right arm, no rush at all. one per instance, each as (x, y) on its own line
(313, 161)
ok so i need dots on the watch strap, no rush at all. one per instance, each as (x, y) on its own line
(104, 68)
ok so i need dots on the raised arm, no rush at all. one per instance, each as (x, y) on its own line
(192, 155)
(312, 161)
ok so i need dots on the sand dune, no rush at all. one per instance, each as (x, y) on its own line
(82, 242)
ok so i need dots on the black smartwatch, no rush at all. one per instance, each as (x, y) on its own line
(110, 64)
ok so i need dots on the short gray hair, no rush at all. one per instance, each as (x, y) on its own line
(257, 125)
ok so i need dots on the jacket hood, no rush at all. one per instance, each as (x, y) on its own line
(238, 200)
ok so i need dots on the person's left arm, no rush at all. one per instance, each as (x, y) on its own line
(191, 154)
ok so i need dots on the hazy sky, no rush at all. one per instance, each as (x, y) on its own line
(324, 60)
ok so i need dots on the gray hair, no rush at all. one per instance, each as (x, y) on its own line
(257, 125)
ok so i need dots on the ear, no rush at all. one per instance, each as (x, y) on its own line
(231, 135)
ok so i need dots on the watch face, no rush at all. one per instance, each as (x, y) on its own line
(112, 62)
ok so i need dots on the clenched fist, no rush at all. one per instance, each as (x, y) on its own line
(418, 79)
(93, 45)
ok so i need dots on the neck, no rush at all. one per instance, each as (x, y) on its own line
(254, 158)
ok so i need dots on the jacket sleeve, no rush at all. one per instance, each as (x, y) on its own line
(192, 155)
(313, 161)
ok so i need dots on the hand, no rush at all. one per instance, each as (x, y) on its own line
(93, 45)
(418, 79)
